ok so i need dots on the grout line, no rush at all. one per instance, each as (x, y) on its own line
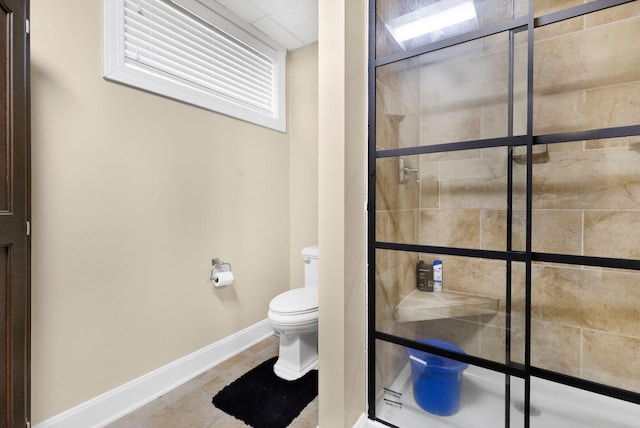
(581, 352)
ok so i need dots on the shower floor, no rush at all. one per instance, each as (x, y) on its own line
(482, 405)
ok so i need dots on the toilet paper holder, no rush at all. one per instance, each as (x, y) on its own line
(218, 266)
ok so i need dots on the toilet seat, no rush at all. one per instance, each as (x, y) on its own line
(298, 301)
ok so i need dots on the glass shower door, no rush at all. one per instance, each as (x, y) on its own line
(503, 145)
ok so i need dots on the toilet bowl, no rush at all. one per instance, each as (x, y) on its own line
(294, 316)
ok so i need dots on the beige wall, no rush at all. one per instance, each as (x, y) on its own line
(133, 195)
(302, 80)
(341, 224)
(125, 220)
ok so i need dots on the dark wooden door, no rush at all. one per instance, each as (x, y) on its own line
(15, 296)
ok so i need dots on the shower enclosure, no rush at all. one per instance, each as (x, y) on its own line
(505, 142)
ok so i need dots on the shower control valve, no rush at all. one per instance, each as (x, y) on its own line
(404, 170)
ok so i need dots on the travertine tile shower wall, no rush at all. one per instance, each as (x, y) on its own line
(586, 194)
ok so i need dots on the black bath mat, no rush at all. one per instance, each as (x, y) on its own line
(261, 399)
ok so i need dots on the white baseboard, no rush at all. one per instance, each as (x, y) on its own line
(361, 422)
(118, 402)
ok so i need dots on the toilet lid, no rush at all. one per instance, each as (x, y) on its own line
(300, 300)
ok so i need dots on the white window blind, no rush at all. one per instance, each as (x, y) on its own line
(186, 50)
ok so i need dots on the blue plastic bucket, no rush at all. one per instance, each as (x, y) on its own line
(436, 380)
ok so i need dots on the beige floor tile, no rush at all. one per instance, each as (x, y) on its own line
(227, 421)
(140, 417)
(189, 405)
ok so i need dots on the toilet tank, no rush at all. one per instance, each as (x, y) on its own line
(310, 257)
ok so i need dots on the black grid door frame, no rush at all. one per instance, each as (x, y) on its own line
(525, 371)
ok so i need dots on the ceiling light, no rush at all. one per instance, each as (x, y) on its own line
(432, 18)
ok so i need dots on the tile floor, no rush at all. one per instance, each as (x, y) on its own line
(189, 406)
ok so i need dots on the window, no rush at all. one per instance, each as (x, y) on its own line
(197, 52)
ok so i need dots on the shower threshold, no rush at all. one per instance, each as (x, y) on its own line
(553, 405)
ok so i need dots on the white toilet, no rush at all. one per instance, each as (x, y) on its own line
(294, 315)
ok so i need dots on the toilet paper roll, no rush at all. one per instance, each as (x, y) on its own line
(220, 279)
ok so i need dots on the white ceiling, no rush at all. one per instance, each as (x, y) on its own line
(292, 23)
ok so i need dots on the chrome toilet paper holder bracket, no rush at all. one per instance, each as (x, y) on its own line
(219, 266)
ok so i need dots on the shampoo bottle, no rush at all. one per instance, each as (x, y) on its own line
(424, 277)
(437, 275)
